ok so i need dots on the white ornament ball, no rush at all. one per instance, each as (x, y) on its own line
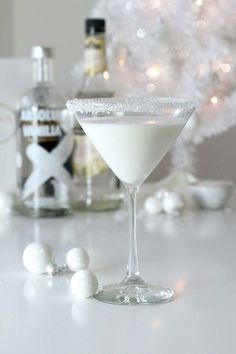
(36, 257)
(84, 284)
(173, 203)
(77, 259)
(153, 206)
(161, 193)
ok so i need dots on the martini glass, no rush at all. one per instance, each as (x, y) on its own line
(132, 135)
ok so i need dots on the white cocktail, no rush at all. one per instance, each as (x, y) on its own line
(132, 147)
(133, 135)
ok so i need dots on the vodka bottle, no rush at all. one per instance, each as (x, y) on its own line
(45, 143)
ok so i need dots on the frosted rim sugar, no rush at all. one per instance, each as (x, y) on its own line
(168, 106)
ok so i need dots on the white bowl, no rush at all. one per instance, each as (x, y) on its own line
(211, 195)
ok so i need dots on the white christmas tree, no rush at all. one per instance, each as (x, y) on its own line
(179, 48)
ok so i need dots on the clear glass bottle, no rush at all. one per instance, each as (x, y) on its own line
(45, 143)
(96, 188)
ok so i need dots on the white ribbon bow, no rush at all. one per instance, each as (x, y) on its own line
(48, 164)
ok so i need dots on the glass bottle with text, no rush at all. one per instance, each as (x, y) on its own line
(96, 188)
(45, 143)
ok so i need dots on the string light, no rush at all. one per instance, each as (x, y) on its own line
(199, 2)
(153, 71)
(156, 4)
(214, 100)
(121, 62)
(129, 6)
(106, 75)
(141, 33)
(226, 68)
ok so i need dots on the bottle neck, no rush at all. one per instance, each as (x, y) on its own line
(95, 54)
(43, 71)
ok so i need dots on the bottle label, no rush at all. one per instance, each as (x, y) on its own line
(86, 160)
(48, 145)
(95, 58)
(44, 124)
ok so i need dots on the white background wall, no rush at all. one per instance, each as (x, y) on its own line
(6, 28)
(59, 23)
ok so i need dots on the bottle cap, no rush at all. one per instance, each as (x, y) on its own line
(41, 52)
(95, 25)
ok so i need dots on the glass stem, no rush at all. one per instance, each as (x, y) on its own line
(132, 267)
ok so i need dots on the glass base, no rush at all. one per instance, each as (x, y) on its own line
(134, 291)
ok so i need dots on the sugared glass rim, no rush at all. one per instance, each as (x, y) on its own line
(129, 104)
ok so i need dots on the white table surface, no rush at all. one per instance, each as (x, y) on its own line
(195, 254)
